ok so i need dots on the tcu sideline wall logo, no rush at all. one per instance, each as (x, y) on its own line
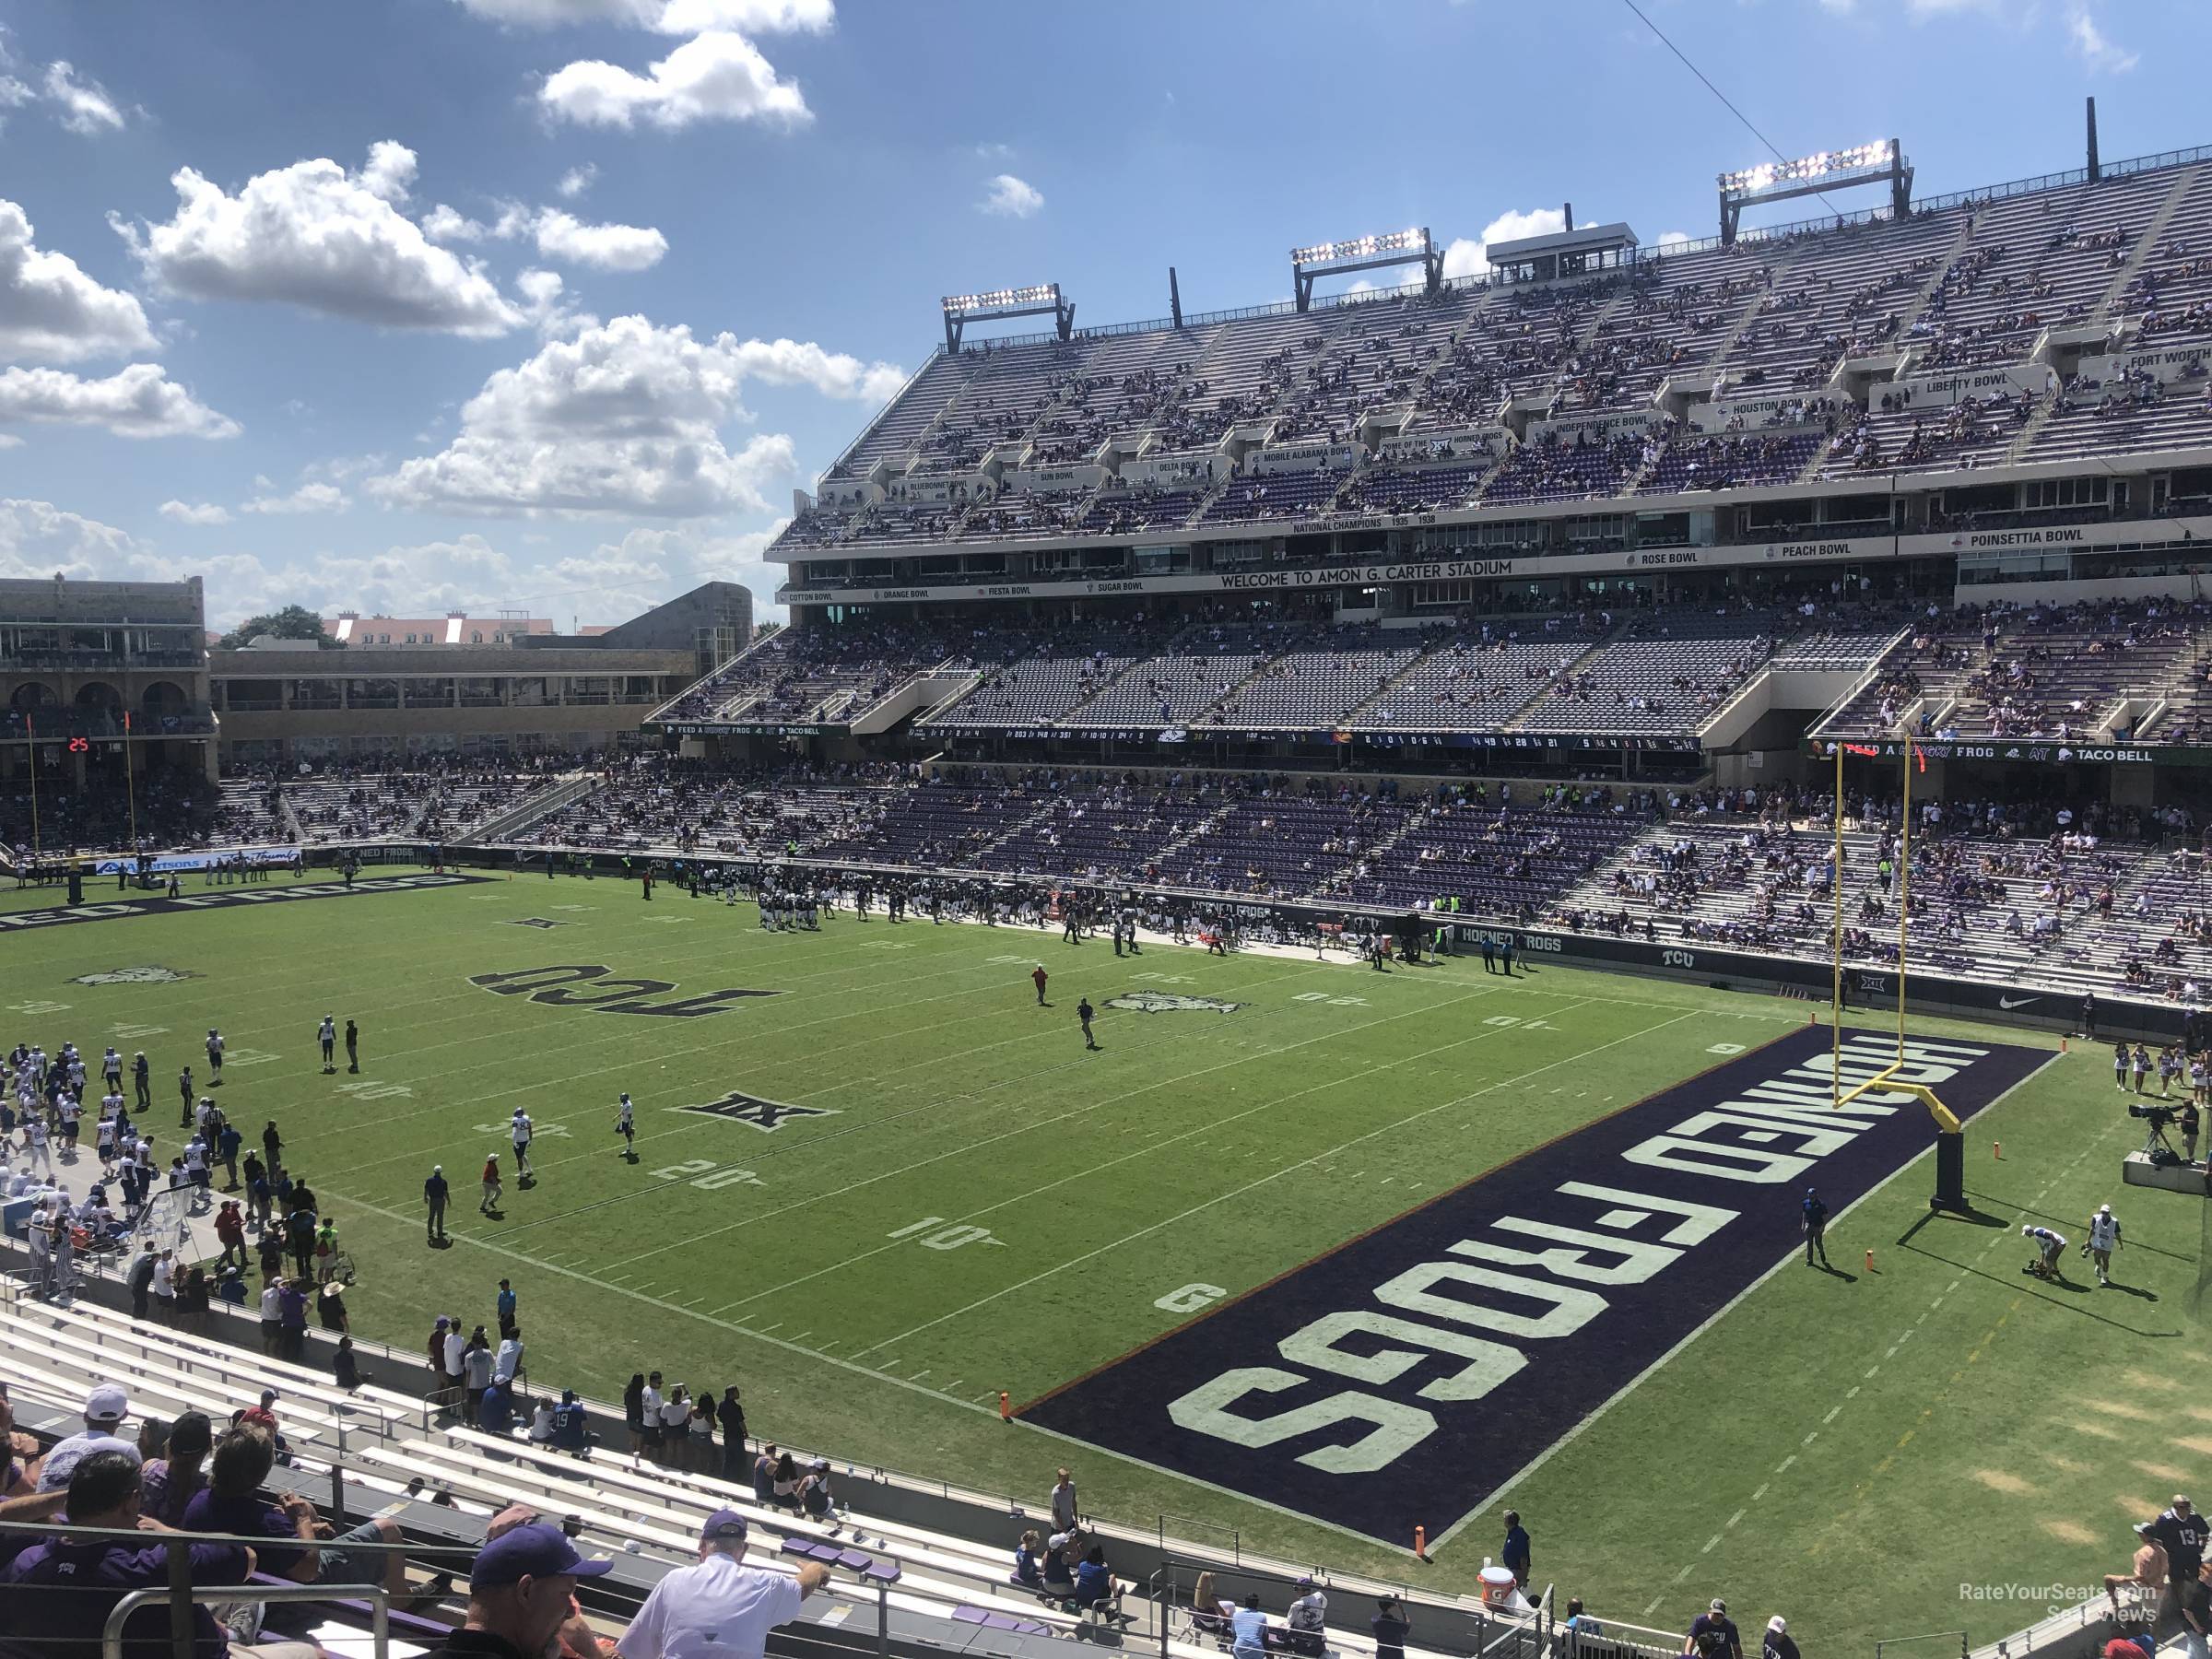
(1403, 1377)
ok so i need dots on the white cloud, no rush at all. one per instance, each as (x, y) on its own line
(50, 310)
(308, 498)
(37, 538)
(1465, 257)
(627, 417)
(832, 373)
(85, 105)
(1010, 197)
(746, 16)
(546, 301)
(2091, 45)
(314, 236)
(138, 402)
(577, 180)
(717, 75)
(201, 512)
(551, 14)
(443, 224)
(667, 17)
(619, 579)
(559, 235)
(1673, 239)
(604, 247)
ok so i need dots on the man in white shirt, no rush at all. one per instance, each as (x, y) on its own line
(2104, 1238)
(105, 1408)
(509, 1358)
(521, 1129)
(720, 1608)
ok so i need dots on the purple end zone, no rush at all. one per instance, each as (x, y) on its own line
(1402, 1378)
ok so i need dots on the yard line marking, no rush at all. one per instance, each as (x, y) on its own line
(1785, 1463)
(1809, 1438)
(1762, 1493)
(1833, 1413)
(1733, 1520)
(1277, 1174)
(1710, 1543)
(1653, 1607)
(1033, 1125)
(935, 1065)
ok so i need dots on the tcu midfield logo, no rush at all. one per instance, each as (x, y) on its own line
(584, 985)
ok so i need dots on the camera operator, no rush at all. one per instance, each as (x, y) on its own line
(2049, 1246)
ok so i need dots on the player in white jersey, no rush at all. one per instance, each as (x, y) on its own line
(2104, 1238)
(521, 1131)
(625, 1125)
(34, 1142)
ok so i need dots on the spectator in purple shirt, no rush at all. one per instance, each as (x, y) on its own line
(296, 1550)
(57, 1595)
(174, 1480)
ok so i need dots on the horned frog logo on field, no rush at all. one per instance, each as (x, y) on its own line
(1170, 1002)
(133, 976)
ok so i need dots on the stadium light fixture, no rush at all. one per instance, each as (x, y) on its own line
(1359, 247)
(1821, 164)
(1034, 299)
(1882, 160)
(1365, 254)
(1043, 294)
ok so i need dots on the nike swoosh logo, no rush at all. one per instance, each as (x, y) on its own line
(2011, 1003)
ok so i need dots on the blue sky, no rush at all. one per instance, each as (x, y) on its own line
(410, 304)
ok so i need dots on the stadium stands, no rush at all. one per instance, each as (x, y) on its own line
(1970, 283)
(917, 1562)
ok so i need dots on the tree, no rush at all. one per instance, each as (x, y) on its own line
(765, 629)
(293, 622)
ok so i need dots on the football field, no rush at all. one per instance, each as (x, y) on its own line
(1303, 1250)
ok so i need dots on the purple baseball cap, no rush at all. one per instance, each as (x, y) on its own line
(535, 1551)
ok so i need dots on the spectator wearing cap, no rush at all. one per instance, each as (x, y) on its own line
(2179, 1530)
(1514, 1555)
(1777, 1644)
(1391, 1627)
(2148, 1570)
(105, 1408)
(719, 1606)
(173, 1479)
(572, 1425)
(1712, 1634)
(522, 1595)
(814, 1497)
(55, 1596)
(1308, 1616)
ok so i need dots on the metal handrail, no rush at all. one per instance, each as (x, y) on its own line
(379, 1612)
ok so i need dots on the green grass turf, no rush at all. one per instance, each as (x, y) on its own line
(1847, 1451)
